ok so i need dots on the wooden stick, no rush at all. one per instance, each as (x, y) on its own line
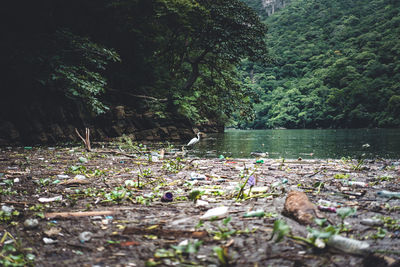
(78, 214)
(85, 140)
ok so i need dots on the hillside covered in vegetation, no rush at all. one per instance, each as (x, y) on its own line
(337, 64)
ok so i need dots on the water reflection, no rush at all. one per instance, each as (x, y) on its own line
(290, 144)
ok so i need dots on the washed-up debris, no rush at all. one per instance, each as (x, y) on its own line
(324, 208)
(49, 199)
(85, 236)
(349, 245)
(78, 214)
(202, 203)
(83, 159)
(215, 213)
(372, 222)
(7, 209)
(49, 241)
(167, 197)
(356, 183)
(388, 194)
(298, 206)
(53, 231)
(74, 181)
(197, 176)
(31, 223)
(255, 213)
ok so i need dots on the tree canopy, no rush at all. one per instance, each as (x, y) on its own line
(337, 65)
(96, 52)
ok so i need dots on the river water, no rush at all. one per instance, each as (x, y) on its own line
(307, 144)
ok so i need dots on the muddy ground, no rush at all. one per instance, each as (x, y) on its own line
(106, 208)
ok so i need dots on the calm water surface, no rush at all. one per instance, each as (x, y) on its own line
(291, 144)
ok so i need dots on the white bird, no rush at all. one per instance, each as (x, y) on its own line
(194, 140)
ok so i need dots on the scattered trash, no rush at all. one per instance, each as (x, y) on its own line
(83, 160)
(348, 245)
(327, 203)
(202, 203)
(62, 176)
(221, 157)
(330, 209)
(279, 183)
(85, 236)
(7, 209)
(53, 231)
(31, 223)
(260, 161)
(50, 199)
(215, 213)
(388, 194)
(197, 176)
(16, 180)
(28, 147)
(356, 183)
(259, 189)
(49, 241)
(256, 213)
(372, 222)
(80, 177)
(167, 197)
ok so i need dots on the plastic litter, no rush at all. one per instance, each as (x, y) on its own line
(330, 209)
(49, 241)
(167, 197)
(85, 236)
(255, 213)
(197, 176)
(356, 183)
(215, 213)
(31, 223)
(80, 177)
(388, 194)
(202, 203)
(7, 209)
(83, 160)
(327, 203)
(371, 222)
(62, 176)
(50, 199)
(348, 245)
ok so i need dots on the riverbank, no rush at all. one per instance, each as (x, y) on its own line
(109, 207)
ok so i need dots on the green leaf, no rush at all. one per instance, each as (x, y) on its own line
(281, 229)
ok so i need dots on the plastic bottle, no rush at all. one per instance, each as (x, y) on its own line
(388, 194)
(348, 245)
(255, 213)
(357, 183)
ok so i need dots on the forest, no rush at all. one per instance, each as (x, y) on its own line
(169, 58)
(335, 65)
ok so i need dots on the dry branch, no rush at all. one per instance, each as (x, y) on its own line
(85, 140)
(78, 214)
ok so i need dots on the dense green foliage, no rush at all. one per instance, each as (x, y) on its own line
(183, 53)
(337, 65)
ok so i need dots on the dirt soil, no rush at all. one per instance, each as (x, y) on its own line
(109, 207)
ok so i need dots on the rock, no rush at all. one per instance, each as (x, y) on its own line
(298, 207)
(31, 223)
